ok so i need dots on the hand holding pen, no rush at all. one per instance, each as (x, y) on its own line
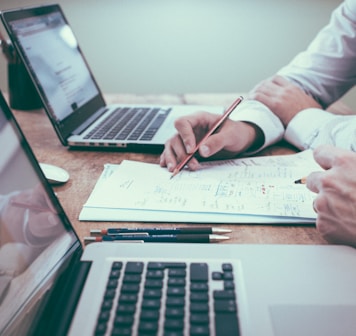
(211, 131)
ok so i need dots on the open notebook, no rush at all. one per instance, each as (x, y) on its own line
(50, 286)
(45, 41)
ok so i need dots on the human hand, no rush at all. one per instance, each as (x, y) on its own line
(335, 203)
(282, 97)
(232, 138)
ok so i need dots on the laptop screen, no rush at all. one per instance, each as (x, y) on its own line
(35, 235)
(52, 52)
(48, 48)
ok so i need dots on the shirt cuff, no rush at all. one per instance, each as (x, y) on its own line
(304, 127)
(256, 113)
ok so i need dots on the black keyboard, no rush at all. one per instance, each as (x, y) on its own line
(127, 123)
(162, 298)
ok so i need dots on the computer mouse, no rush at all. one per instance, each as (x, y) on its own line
(55, 175)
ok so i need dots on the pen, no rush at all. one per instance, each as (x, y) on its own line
(183, 238)
(302, 180)
(211, 131)
(159, 231)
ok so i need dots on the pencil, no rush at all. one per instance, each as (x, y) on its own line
(225, 115)
(302, 180)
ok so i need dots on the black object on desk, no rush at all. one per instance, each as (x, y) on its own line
(22, 92)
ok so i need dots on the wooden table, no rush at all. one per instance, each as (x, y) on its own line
(85, 168)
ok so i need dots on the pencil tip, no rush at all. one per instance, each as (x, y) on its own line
(175, 172)
(301, 181)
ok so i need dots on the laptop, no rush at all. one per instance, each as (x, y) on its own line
(47, 46)
(50, 285)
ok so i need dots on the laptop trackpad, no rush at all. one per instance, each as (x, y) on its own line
(296, 320)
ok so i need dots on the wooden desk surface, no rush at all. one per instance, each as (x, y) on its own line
(85, 168)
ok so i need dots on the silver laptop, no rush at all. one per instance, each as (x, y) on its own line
(71, 97)
(49, 285)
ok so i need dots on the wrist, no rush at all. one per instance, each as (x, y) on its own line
(256, 137)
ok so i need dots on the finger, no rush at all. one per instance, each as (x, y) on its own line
(212, 145)
(174, 153)
(325, 155)
(186, 128)
(313, 182)
(168, 157)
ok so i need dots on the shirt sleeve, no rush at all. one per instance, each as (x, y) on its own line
(256, 113)
(327, 68)
(313, 127)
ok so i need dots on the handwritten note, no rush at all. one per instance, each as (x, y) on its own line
(240, 189)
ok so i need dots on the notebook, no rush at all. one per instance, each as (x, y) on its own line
(71, 97)
(50, 285)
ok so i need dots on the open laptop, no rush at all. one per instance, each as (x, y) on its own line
(71, 97)
(49, 285)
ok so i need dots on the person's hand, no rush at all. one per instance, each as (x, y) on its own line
(335, 203)
(231, 139)
(282, 97)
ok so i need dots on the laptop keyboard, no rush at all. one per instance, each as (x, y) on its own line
(128, 123)
(162, 298)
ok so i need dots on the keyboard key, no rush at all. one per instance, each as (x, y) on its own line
(226, 324)
(175, 312)
(201, 330)
(148, 314)
(173, 301)
(152, 293)
(196, 318)
(199, 272)
(134, 268)
(175, 291)
(174, 324)
(199, 296)
(149, 327)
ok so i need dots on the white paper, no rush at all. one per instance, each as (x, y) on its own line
(256, 190)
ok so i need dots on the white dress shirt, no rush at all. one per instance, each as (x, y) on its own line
(326, 70)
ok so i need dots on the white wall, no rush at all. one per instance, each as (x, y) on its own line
(175, 46)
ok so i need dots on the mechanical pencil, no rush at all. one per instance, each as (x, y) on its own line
(183, 238)
(159, 231)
